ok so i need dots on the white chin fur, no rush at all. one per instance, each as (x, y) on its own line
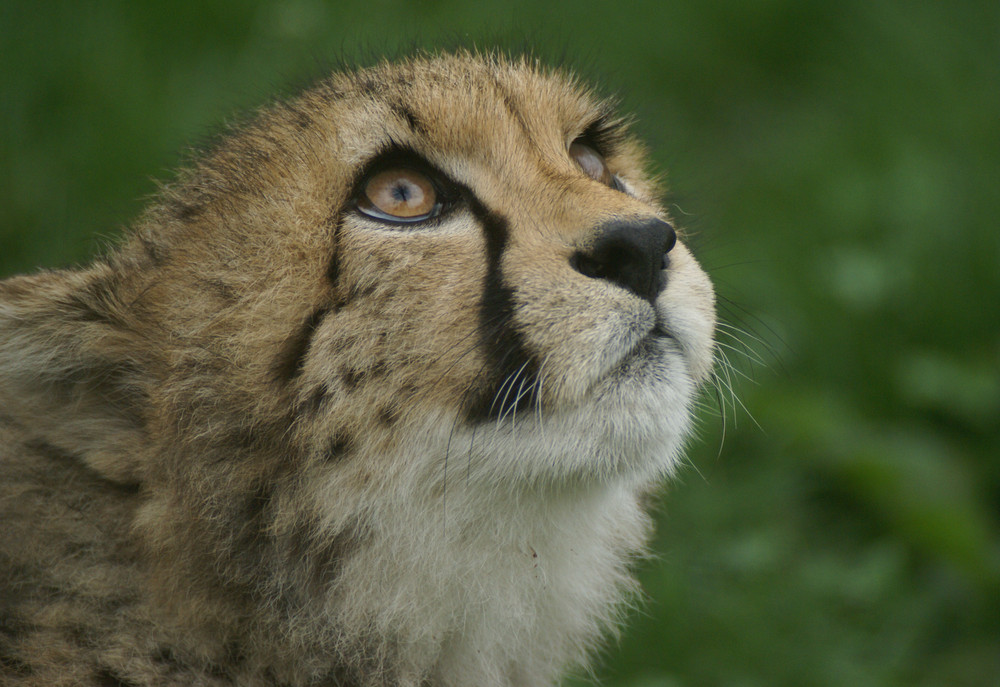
(631, 429)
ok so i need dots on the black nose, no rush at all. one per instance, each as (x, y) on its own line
(631, 254)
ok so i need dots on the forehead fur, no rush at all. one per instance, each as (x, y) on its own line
(460, 106)
(455, 110)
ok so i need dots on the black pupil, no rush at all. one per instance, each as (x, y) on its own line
(402, 192)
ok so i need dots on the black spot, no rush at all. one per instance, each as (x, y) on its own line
(355, 292)
(224, 291)
(154, 252)
(315, 401)
(406, 114)
(12, 628)
(12, 665)
(339, 446)
(511, 370)
(291, 360)
(248, 517)
(300, 542)
(301, 119)
(86, 311)
(340, 301)
(246, 438)
(255, 505)
(368, 291)
(184, 210)
(366, 85)
(114, 604)
(351, 377)
(322, 554)
(332, 552)
(164, 655)
(235, 656)
(329, 93)
(77, 634)
(105, 677)
(12, 625)
(388, 415)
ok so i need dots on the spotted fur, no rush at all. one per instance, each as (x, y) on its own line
(270, 440)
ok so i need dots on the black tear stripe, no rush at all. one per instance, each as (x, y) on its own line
(511, 373)
(292, 359)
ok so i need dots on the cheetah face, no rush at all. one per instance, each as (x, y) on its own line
(500, 261)
(449, 256)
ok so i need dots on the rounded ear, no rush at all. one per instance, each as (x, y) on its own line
(71, 370)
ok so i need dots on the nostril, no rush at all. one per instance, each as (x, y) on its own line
(630, 254)
(587, 266)
(671, 238)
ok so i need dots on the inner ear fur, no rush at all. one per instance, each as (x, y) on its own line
(71, 371)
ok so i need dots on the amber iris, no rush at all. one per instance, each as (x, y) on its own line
(399, 194)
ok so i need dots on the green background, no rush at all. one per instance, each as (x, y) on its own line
(837, 164)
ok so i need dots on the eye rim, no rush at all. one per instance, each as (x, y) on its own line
(366, 206)
(448, 192)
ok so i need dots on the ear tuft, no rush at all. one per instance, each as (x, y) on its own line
(70, 369)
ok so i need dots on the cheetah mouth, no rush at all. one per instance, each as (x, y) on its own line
(654, 345)
(660, 331)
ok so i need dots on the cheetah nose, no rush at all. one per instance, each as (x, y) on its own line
(631, 254)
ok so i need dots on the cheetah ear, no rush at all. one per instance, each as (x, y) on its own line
(70, 369)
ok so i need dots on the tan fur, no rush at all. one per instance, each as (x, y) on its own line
(270, 441)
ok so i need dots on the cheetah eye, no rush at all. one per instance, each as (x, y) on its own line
(592, 163)
(399, 195)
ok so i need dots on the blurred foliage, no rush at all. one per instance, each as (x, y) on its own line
(837, 167)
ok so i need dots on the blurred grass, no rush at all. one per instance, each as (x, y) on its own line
(837, 166)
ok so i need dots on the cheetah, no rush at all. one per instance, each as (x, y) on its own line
(373, 393)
